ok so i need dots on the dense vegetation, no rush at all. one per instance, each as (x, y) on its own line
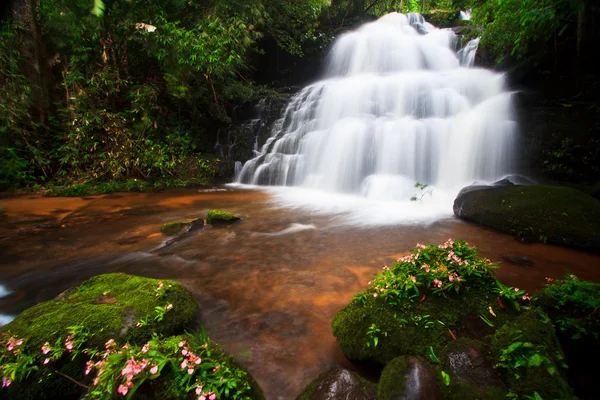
(132, 92)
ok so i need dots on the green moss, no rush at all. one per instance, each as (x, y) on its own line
(551, 214)
(309, 390)
(108, 306)
(548, 379)
(174, 227)
(403, 330)
(215, 217)
(393, 376)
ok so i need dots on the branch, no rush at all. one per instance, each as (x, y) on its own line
(72, 380)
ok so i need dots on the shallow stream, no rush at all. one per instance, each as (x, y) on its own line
(268, 287)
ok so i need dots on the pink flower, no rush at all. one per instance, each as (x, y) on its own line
(46, 348)
(182, 343)
(184, 352)
(90, 365)
(96, 381)
(145, 348)
(198, 389)
(450, 278)
(212, 396)
(46, 361)
(184, 364)
(526, 298)
(154, 369)
(375, 295)
(198, 361)
(203, 397)
(516, 289)
(412, 278)
(190, 370)
(123, 390)
(6, 382)
(169, 306)
(109, 343)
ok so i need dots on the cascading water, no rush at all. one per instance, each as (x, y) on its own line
(398, 106)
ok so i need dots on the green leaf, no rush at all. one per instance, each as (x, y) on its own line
(432, 355)
(446, 378)
(99, 8)
(535, 360)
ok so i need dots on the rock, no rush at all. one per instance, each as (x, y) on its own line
(522, 261)
(550, 214)
(175, 227)
(466, 361)
(407, 378)
(216, 217)
(108, 307)
(514, 345)
(339, 384)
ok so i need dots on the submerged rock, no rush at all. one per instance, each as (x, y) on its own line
(339, 384)
(174, 227)
(407, 378)
(550, 214)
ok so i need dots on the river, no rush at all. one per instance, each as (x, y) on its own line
(267, 287)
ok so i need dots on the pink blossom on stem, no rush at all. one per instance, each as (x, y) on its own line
(122, 390)
(154, 369)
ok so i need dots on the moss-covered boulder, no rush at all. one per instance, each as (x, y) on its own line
(530, 357)
(550, 214)
(112, 306)
(407, 378)
(339, 384)
(216, 217)
(414, 306)
(471, 372)
(174, 227)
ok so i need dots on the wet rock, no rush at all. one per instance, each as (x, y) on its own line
(407, 378)
(216, 217)
(521, 261)
(174, 227)
(549, 214)
(339, 384)
(466, 360)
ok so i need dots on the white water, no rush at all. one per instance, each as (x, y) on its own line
(398, 105)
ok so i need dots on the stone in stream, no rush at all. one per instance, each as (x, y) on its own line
(216, 217)
(551, 214)
(339, 384)
(174, 227)
(407, 378)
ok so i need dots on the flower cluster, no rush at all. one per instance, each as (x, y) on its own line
(190, 360)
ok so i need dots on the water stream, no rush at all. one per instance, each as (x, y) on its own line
(268, 287)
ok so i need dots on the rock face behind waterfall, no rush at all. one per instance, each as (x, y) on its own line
(398, 105)
(550, 214)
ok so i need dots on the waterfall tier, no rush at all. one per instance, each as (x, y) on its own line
(398, 105)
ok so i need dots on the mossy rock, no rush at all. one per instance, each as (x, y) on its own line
(529, 339)
(216, 217)
(339, 383)
(470, 366)
(550, 214)
(174, 227)
(403, 330)
(168, 387)
(407, 378)
(108, 306)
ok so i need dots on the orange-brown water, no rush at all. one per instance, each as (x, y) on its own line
(268, 298)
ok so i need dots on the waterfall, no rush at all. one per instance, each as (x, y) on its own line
(398, 105)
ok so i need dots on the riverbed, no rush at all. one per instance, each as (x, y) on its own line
(267, 287)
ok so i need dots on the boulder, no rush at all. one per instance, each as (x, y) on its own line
(216, 217)
(174, 227)
(407, 378)
(339, 384)
(550, 214)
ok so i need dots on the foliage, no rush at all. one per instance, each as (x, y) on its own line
(572, 305)
(108, 361)
(440, 269)
(512, 27)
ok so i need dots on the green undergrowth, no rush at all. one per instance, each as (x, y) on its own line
(216, 217)
(445, 299)
(117, 335)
